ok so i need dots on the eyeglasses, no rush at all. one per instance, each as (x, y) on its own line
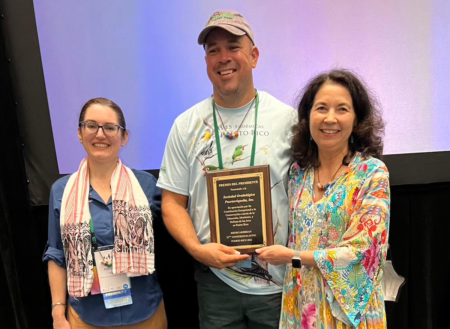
(92, 127)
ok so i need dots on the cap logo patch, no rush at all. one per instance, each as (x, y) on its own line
(230, 16)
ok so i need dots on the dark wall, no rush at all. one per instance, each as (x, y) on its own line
(7, 318)
(21, 46)
(420, 226)
(21, 274)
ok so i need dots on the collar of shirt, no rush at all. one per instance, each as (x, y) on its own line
(93, 195)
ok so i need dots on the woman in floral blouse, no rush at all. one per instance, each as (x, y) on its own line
(339, 199)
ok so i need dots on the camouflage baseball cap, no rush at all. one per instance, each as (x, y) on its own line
(230, 21)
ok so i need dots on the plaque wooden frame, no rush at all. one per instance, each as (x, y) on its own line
(238, 178)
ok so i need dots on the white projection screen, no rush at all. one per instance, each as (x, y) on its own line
(144, 56)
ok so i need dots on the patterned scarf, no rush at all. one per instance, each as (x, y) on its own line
(133, 233)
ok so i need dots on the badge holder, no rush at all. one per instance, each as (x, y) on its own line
(392, 283)
(114, 287)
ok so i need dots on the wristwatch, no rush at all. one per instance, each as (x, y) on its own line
(296, 260)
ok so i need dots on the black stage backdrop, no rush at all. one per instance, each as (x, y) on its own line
(23, 298)
(420, 223)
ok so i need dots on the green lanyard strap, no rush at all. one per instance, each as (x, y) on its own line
(93, 238)
(216, 131)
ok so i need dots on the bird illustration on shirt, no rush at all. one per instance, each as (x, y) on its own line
(212, 168)
(206, 135)
(238, 152)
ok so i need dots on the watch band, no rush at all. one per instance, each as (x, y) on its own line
(296, 260)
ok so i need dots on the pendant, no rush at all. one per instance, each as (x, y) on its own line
(231, 135)
(107, 263)
(320, 187)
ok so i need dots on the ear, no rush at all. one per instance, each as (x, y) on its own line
(255, 56)
(125, 138)
(206, 54)
(80, 137)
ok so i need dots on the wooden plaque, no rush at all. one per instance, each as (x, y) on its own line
(240, 208)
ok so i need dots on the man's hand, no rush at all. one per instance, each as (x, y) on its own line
(276, 254)
(217, 255)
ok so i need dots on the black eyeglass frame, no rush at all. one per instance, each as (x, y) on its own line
(82, 125)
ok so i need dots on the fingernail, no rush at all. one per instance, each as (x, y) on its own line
(237, 252)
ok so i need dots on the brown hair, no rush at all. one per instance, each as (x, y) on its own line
(106, 102)
(367, 133)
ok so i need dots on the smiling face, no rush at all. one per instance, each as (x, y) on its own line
(230, 60)
(100, 147)
(332, 118)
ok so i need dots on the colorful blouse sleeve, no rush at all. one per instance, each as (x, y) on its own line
(294, 173)
(352, 268)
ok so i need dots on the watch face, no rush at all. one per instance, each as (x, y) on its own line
(296, 263)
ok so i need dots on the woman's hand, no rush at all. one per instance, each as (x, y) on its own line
(276, 254)
(58, 285)
(59, 318)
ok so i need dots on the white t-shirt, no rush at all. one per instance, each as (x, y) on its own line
(191, 151)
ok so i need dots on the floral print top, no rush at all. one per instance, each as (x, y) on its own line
(347, 230)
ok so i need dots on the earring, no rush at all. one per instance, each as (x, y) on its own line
(351, 139)
(81, 141)
(310, 137)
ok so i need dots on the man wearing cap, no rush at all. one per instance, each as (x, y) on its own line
(234, 290)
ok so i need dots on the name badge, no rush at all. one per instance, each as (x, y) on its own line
(117, 298)
(109, 282)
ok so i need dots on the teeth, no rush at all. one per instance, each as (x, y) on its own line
(226, 72)
(330, 131)
(100, 145)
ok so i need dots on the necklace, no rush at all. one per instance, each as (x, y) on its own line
(234, 135)
(217, 136)
(321, 187)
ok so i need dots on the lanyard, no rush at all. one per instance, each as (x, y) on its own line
(216, 130)
(93, 238)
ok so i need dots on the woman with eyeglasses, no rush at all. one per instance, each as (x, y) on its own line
(100, 245)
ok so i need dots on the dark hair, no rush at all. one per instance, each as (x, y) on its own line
(106, 102)
(367, 133)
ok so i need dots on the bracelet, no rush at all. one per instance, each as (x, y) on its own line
(57, 304)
